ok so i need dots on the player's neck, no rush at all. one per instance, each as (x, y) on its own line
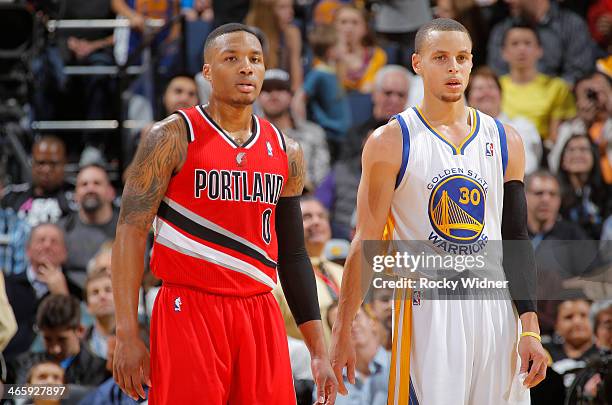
(522, 76)
(440, 112)
(230, 118)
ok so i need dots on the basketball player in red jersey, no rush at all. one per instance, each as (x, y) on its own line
(223, 187)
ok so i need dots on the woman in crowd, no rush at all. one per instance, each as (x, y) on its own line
(275, 19)
(584, 194)
(359, 56)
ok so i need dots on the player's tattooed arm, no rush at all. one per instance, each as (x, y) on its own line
(297, 169)
(162, 152)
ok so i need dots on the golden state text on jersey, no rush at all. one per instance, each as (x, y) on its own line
(449, 195)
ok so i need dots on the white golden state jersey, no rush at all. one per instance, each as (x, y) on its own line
(449, 196)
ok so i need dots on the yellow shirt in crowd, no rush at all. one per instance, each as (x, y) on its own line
(542, 99)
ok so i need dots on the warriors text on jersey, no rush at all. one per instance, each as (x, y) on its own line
(215, 226)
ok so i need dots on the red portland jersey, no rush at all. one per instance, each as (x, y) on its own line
(214, 229)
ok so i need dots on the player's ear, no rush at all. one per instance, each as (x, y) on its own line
(206, 72)
(416, 63)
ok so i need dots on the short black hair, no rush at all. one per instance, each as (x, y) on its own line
(524, 25)
(438, 24)
(58, 312)
(227, 29)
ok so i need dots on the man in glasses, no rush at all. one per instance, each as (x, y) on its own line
(46, 198)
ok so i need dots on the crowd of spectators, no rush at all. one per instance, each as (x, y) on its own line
(337, 70)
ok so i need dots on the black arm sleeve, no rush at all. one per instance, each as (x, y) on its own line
(294, 267)
(519, 258)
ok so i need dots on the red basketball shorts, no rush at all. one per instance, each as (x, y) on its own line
(218, 350)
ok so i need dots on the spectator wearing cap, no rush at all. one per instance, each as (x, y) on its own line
(275, 100)
(328, 275)
(95, 221)
(389, 97)
(543, 99)
(593, 94)
(568, 50)
(484, 93)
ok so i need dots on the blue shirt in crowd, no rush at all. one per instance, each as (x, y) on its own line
(327, 102)
(368, 390)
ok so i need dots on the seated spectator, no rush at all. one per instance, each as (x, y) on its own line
(573, 342)
(357, 50)
(381, 307)
(91, 95)
(556, 261)
(194, 10)
(181, 92)
(594, 117)
(389, 97)
(13, 259)
(45, 372)
(102, 259)
(47, 198)
(275, 100)
(137, 12)
(46, 251)
(8, 323)
(568, 50)
(284, 51)
(545, 100)
(396, 23)
(469, 14)
(328, 275)
(100, 305)
(372, 362)
(58, 320)
(601, 314)
(485, 94)
(94, 223)
(585, 197)
(599, 17)
(109, 393)
(323, 94)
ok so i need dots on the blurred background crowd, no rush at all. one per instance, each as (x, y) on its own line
(81, 80)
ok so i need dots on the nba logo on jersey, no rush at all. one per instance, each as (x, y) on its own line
(177, 304)
(269, 148)
(489, 149)
(416, 298)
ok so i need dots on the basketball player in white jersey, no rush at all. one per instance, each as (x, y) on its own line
(429, 158)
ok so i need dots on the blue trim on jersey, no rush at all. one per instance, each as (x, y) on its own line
(412, 398)
(405, 148)
(503, 143)
(473, 135)
(416, 110)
